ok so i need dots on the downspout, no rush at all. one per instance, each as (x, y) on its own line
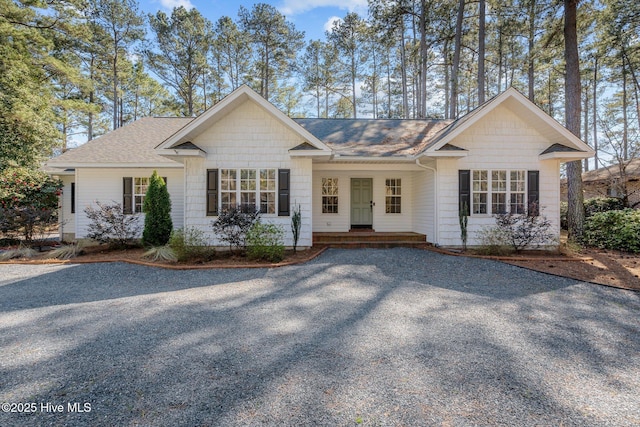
(435, 201)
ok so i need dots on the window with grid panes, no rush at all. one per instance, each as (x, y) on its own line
(330, 195)
(393, 195)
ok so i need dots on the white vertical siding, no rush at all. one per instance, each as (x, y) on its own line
(249, 137)
(501, 141)
(105, 185)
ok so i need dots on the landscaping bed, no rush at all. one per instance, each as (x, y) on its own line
(606, 267)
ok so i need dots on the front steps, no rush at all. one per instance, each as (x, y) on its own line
(369, 239)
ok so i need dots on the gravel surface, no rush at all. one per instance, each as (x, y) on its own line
(355, 337)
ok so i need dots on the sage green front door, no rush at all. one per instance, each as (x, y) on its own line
(361, 202)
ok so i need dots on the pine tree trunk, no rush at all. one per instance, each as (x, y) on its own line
(453, 105)
(595, 111)
(481, 25)
(575, 214)
(532, 34)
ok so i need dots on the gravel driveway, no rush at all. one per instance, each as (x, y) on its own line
(355, 337)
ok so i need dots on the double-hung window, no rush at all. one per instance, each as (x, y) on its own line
(518, 191)
(330, 195)
(268, 191)
(248, 188)
(140, 186)
(393, 195)
(228, 189)
(499, 191)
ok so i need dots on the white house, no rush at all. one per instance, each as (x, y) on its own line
(384, 175)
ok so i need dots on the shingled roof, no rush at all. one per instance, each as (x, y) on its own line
(374, 137)
(631, 172)
(130, 144)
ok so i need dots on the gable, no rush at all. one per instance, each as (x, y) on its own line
(249, 129)
(501, 130)
(252, 125)
(512, 114)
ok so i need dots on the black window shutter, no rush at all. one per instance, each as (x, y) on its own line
(284, 191)
(212, 192)
(165, 180)
(73, 197)
(464, 191)
(533, 193)
(127, 195)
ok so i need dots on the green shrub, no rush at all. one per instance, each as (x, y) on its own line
(28, 203)
(618, 229)
(265, 242)
(190, 244)
(602, 204)
(157, 207)
(564, 209)
(296, 226)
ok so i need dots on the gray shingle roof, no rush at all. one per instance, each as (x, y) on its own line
(376, 138)
(559, 148)
(130, 144)
(631, 171)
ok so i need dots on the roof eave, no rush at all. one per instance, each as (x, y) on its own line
(172, 153)
(117, 165)
(446, 154)
(382, 159)
(319, 154)
(566, 156)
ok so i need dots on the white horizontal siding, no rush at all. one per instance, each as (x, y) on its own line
(324, 222)
(66, 218)
(424, 204)
(105, 185)
(501, 141)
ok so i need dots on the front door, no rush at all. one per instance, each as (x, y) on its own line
(361, 203)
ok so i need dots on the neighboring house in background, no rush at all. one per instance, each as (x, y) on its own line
(616, 180)
(385, 175)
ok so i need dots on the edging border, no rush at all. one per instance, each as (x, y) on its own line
(165, 266)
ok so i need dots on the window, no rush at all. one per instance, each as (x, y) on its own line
(140, 186)
(506, 190)
(228, 189)
(73, 197)
(480, 191)
(393, 190)
(247, 188)
(330, 195)
(498, 192)
(268, 191)
(518, 192)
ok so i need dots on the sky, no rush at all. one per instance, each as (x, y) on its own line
(313, 17)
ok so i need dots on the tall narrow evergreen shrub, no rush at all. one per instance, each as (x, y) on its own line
(157, 207)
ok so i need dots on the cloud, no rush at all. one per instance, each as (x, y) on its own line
(170, 4)
(329, 24)
(296, 7)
